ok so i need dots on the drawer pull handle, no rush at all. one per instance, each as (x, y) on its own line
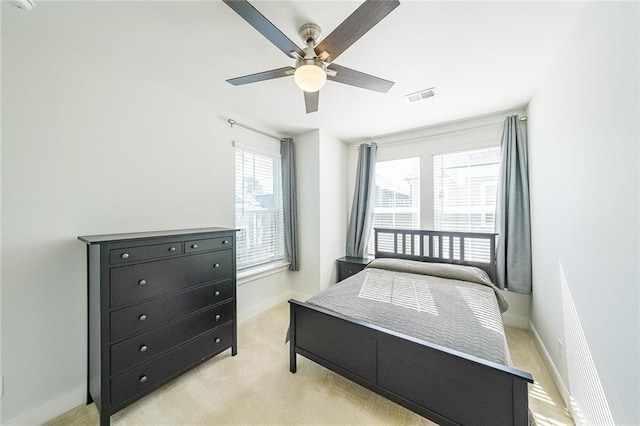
(225, 241)
(143, 348)
(124, 255)
(142, 317)
(350, 271)
(217, 317)
(217, 265)
(142, 282)
(217, 293)
(217, 340)
(172, 249)
(143, 379)
(194, 246)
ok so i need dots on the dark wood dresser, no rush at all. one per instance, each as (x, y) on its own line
(160, 303)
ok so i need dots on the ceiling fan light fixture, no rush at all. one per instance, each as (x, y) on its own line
(310, 75)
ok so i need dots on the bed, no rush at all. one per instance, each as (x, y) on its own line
(399, 351)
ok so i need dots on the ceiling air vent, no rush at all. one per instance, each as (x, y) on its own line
(418, 96)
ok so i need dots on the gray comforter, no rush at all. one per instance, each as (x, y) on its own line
(442, 309)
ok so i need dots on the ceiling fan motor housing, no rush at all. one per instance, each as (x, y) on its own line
(311, 61)
(310, 34)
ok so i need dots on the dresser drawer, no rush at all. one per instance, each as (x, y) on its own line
(126, 322)
(208, 244)
(131, 284)
(345, 270)
(148, 376)
(141, 348)
(136, 254)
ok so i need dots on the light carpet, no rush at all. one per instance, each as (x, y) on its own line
(255, 387)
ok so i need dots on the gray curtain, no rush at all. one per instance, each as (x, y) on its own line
(289, 199)
(362, 208)
(513, 221)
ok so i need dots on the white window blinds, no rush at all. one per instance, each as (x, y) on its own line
(397, 196)
(259, 214)
(465, 188)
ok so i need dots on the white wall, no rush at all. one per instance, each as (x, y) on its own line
(258, 295)
(321, 173)
(333, 206)
(88, 148)
(479, 132)
(306, 282)
(1, 379)
(584, 162)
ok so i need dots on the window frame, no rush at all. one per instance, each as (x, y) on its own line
(253, 271)
(472, 251)
(370, 245)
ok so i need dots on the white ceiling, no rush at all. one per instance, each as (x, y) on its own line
(481, 56)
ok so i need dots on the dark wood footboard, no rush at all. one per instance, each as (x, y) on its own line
(441, 384)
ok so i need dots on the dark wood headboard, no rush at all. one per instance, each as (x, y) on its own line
(462, 248)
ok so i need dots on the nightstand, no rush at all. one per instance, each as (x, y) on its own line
(348, 266)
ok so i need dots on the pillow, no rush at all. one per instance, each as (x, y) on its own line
(442, 270)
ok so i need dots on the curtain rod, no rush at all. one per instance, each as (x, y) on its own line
(235, 123)
(443, 133)
(440, 134)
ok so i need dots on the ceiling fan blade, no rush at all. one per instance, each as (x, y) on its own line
(264, 27)
(261, 76)
(355, 26)
(359, 79)
(311, 101)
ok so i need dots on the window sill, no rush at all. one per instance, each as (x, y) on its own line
(257, 272)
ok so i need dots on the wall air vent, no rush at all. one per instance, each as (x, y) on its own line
(418, 96)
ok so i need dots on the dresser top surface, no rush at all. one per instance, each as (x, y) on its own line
(95, 239)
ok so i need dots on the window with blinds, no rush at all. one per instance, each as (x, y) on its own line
(259, 214)
(397, 196)
(465, 189)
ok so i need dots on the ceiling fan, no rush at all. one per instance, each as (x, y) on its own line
(314, 64)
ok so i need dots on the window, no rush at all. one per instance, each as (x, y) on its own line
(259, 214)
(465, 189)
(397, 196)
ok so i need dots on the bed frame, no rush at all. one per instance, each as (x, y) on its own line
(444, 385)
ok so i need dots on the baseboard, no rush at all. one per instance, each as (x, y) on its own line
(301, 297)
(555, 375)
(51, 409)
(264, 306)
(515, 321)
